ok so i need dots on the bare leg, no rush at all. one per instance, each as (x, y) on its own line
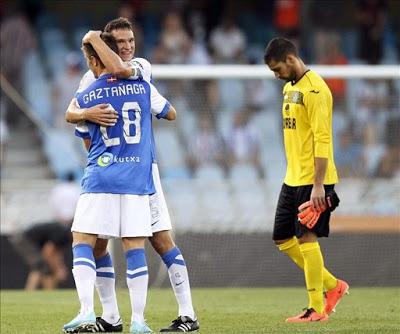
(33, 280)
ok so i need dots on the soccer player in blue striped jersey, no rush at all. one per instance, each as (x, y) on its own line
(125, 65)
(116, 186)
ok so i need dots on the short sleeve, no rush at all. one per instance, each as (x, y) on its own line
(82, 130)
(159, 104)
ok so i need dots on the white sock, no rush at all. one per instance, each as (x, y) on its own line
(179, 278)
(137, 279)
(105, 285)
(84, 271)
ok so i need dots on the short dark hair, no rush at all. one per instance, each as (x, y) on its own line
(89, 51)
(119, 23)
(278, 49)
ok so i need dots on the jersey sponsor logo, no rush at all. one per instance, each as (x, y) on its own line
(289, 123)
(107, 158)
(287, 108)
(293, 97)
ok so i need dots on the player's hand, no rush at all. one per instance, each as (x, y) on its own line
(307, 215)
(317, 197)
(90, 34)
(101, 114)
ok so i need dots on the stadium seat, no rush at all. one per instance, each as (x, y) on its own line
(187, 123)
(224, 121)
(61, 150)
(251, 208)
(77, 36)
(182, 203)
(37, 95)
(209, 172)
(232, 94)
(245, 172)
(32, 68)
(351, 191)
(216, 201)
(52, 38)
(170, 153)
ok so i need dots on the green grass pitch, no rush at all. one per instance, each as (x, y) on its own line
(236, 310)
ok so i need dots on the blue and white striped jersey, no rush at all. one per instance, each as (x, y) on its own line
(120, 157)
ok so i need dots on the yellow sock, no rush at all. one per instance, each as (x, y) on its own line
(313, 268)
(330, 281)
(291, 248)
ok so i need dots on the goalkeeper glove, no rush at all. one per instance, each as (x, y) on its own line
(309, 216)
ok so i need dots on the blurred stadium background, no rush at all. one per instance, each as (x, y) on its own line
(222, 161)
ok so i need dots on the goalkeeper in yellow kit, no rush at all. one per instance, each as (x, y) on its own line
(310, 177)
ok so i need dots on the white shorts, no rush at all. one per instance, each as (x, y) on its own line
(113, 215)
(160, 219)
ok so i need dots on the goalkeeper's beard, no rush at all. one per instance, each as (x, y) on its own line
(291, 77)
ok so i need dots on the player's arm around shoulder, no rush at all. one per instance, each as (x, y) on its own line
(110, 59)
(137, 68)
(100, 114)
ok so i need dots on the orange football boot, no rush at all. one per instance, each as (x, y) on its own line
(334, 296)
(309, 315)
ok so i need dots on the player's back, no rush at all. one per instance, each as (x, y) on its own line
(119, 159)
(145, 67)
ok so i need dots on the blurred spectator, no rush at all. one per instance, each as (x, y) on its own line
(389, 166)
(43, 245)
(319, 26)
(198, 53)
(348, 155)
(373, 103)
(64, 88)
(371, 18)
(212, 96)
(243, 142)
(261, 94)
(287, 18)
(332, 55)
(206, 146)
(16, 40)
(174, 43)
(370, 117)
(63, 199)
(227, 42)
(373, 150)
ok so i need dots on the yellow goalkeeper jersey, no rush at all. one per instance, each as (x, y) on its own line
(307, 129)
